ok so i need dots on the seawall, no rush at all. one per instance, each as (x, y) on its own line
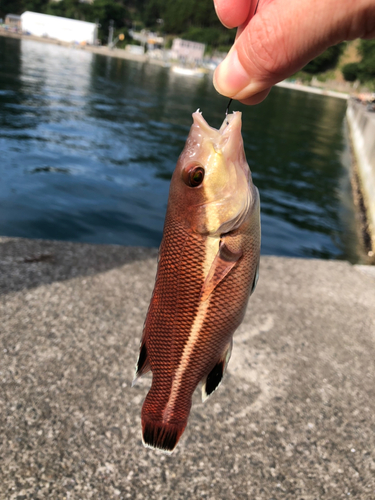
(362, 130)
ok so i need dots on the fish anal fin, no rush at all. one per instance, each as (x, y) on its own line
(223, 263)
(143, 365)
(214, 378)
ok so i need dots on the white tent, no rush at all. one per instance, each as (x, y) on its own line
(59, 28)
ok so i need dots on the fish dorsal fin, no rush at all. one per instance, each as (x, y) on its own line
(222, 264)
(143, 365)
(214, 378)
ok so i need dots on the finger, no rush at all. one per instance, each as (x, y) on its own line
(255, 6)
(256, 98)
(233, 13)
(280, 40)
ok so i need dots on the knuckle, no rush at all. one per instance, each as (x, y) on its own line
(266, 45)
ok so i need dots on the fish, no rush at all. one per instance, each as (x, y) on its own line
(208, 266)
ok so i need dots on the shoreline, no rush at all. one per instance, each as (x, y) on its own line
(313, 90)
(94, 49)
(123, 54)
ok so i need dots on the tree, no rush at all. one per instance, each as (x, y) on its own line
(363, 70)
(327, 60)
(10, 7)
(35, 5)
(72, 9)
(367, 65)
(153, 11)
(180, 15)
(109, 10)
(350, 71)
(102, 11)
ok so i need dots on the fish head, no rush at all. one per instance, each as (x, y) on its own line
(211, 188)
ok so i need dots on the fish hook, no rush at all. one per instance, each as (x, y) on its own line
(227, 110)
(230, 100)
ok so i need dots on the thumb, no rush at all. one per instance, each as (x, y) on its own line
(282, 38)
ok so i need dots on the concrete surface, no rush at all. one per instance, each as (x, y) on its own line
(313, 90)
(293, 419)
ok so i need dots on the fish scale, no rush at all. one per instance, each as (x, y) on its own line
(205, 276)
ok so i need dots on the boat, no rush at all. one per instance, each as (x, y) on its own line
(180, 70)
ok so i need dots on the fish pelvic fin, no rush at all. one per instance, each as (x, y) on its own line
(214, 378)
(223, 263)
(160, 435)
(143, 365)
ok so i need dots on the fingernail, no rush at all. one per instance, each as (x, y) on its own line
(230, 76)
(232, 80)
(218, 15)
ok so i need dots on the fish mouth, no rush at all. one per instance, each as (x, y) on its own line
(227, 191)
(226, 140)
(230, 129)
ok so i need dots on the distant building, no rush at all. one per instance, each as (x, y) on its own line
(147, 38)
(186, 50)
(138, 50)
(59, 28)
(12, 21)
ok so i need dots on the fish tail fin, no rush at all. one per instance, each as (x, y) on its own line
(161, 435)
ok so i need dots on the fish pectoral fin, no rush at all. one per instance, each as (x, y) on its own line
(214, 378)
(255, 280)
(143, 365)
(223, 263)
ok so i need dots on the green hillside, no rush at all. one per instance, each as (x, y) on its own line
(195, 20)
(191, 19)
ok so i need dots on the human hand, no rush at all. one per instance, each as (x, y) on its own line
(281, 38)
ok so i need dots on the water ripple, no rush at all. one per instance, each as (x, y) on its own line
(88, 145)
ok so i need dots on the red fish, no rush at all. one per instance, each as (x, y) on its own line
(207, 269)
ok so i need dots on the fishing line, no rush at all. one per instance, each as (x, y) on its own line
(227, 110)
(230, 100)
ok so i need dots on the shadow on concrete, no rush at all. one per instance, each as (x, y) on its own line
(26, 263)
(294, 417)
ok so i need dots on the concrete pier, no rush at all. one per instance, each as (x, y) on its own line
(294, 417)
(362, 128)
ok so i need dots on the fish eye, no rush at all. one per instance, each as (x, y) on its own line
(193, 175)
